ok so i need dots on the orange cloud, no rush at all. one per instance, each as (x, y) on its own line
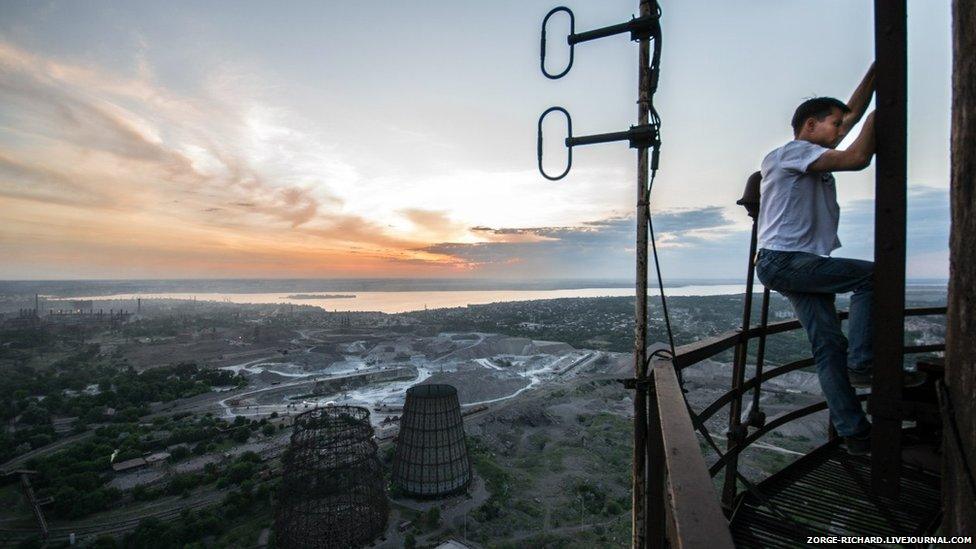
(103, 175)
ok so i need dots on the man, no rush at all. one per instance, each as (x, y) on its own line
(798, 219)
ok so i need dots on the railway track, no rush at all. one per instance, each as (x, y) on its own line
(82, 531)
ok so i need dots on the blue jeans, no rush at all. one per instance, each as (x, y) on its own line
(810, 282)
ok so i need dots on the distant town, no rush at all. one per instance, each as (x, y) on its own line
(130, 420)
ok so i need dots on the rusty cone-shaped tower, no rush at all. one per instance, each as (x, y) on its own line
(331, 492)
(431, 455)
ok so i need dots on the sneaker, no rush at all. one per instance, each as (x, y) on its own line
(910, 378)
(858, 445)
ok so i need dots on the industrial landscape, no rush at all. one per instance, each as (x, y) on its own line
(167, 423)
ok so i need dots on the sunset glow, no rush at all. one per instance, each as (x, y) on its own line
(187, 148)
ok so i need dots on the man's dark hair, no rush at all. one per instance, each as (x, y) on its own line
(819, 108)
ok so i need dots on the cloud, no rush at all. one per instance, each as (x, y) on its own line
(228, 169)
(927, 231)
(707, 242)
(602, 248)
(26, 180)
(109, 171)
(433, 225)
(690, 219)
(97, 120)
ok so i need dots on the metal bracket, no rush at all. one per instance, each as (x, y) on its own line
(737, 433)
(641, 384)
(757, 418)
(646, 135)
(640, 28)
(642, 136)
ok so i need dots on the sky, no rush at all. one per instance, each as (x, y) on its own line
(328, 139)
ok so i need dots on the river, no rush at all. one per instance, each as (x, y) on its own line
(398, 302)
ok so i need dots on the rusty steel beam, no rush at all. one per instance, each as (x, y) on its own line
(890, 49)
(770, 426)
(727, 397)
(693, 353)
(639, 522)
(735, 430)
(694, 517)
(655, 495)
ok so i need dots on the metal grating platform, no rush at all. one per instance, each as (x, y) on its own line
(827, 493)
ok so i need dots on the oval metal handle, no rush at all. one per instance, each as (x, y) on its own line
(569, 149)
(542, 49)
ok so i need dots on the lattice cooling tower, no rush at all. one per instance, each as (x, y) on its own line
(431, 455)
(331, 492)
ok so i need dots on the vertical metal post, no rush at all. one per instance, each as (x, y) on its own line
(656, 524)
(756, 417)
(890, 45)
(639, 509)
(960, 383)
(738, 378)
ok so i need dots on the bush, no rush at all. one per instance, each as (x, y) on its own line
(153, 533)
(37, 441)
(179, 453)
(182, 483)
(433, 517)
(143, 493)
(35, 415)
(239, 472)
(250, 457)
(241, 435)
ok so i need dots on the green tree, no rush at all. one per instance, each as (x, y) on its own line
(433, 517)
(35, 415)
(241, 434)
(179, 453)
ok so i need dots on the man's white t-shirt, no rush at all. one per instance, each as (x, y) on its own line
(798, 209)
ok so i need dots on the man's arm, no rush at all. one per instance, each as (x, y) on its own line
(854, 158)
(858, 102)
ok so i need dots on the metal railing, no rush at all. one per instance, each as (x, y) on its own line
(682, 505)
(682, 510)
